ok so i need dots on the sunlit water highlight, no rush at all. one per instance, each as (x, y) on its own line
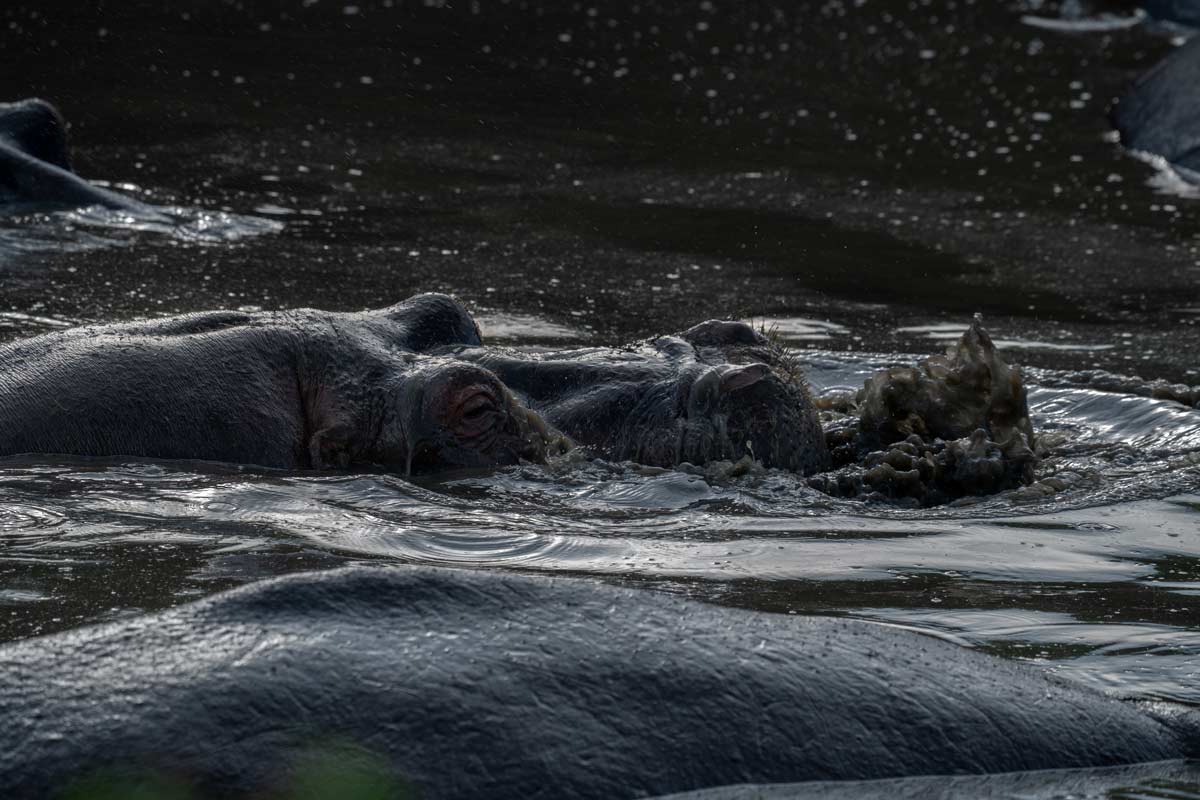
(1099, 23)
(950, 331)
(1099, 580)
(94, 227)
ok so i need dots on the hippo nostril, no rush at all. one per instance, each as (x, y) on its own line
(544, 440)
(707, 390)
(734, 379)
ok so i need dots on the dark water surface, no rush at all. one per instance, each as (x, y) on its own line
(862, 175)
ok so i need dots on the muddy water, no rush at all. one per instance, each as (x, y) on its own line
(862, 176)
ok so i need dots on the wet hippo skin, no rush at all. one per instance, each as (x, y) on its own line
(478, 684)
(35, 165)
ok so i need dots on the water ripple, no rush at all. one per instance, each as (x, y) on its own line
(1099, 579)
(96, 227)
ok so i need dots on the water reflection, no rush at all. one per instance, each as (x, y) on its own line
(94, 227)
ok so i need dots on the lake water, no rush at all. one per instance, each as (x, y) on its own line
(863, 176)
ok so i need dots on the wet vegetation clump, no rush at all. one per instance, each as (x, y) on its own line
(954, 425)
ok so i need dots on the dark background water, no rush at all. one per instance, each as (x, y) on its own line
(625, 167)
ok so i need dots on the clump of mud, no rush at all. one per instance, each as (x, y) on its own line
(954, 425)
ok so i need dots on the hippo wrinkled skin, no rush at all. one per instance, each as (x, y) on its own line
(35, 164)
(467, 684)
(407, 389)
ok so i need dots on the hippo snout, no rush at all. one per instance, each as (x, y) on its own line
(716, 383)
(737, 410)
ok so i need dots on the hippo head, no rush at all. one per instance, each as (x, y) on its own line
(454, 415)
(718, 391)
(736, 394)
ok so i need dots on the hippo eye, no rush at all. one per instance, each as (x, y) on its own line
(477, 405)
(476, 414)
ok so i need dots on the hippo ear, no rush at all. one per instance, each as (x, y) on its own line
(37, 128)
(429, 321)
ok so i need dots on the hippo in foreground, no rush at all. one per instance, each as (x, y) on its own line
(465, 684)
(410, 389)
(35, 163)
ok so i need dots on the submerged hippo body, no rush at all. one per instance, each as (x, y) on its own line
(468, 684)
(35, 164)
(1160, 115)
(406, 388)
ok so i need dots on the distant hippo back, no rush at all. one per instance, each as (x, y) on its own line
(35, 164)
(1161, 114)
(1186, 12)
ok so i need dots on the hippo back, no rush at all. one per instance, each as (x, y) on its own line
(1161, 114)
(35, 164)
(1186, 12)
(471, 684)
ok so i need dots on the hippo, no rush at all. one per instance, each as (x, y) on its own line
(411, 389)
(396, 389)
(720, 390)
(470, 683)
(954, 424)
(1160, 115)
(35, 164)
